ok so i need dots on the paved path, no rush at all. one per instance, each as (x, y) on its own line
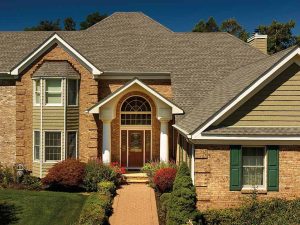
(134, 205)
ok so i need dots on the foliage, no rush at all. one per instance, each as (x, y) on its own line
(92, 19)
(182, 203)
(209, 26)
(69, 24)
(67, 174)
(96, 172)
(164, 179)
(6, 176)
(31, 182)
(45, 25)
(231, 26)
(107, 187)
(8, 213)
(280, 35)
(96, 209)
(164, 200)
(256, 213)
(42, 208)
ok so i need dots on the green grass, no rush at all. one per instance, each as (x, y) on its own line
(42, 208)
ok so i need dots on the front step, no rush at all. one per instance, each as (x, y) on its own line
(136, 178)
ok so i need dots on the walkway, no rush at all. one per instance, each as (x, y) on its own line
(134, 205)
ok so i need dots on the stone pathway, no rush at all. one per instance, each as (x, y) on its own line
(134, 205)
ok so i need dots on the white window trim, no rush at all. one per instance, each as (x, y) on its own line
(77, 92)
(34, 92)
(44, 146)
(257, 187)
(61, 93)
(66, 148)
(33, 146)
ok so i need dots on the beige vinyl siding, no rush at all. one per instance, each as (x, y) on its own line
(36, 169)
(46, 167)
(36, 120)
(53, 117)
(72, 118)
(277, 104)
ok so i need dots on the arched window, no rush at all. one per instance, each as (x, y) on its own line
(136, 111)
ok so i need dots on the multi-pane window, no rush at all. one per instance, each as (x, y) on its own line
(36, 145)
(71, 145)
(37, 92)
(136, 111)
(72, 92)
(253, 162)
(52, 146)
(53, 91)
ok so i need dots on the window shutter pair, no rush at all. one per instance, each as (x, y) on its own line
(236, 168)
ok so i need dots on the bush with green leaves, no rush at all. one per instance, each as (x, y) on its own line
(181, 206)
(31, 182)
(107, 187)
(6, 176)
(254, 212)
(95, 172)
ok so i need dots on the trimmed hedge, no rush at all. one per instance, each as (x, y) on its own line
(107, 187)
(268, 212)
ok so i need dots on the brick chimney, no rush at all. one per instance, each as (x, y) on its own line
(259, 41)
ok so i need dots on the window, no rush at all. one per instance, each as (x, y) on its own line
(71, 152)
(53, 91)
(253, 162)
(136, 111)
(36, 145)
(52, 146)
(72, 92)
(37, 92)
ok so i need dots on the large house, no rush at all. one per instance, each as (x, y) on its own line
(129, 90)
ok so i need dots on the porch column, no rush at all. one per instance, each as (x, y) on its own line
(106, 142)
(164, 140)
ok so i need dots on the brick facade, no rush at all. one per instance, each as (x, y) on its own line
(7, 122)
(212, 164)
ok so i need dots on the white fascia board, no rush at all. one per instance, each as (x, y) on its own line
(249, 138)
(53, 39)
(181, 130)
(243, 95)
(175, 109)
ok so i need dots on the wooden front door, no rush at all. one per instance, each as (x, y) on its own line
(135, 148)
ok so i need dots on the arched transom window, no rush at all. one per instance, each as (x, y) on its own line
(136, 111)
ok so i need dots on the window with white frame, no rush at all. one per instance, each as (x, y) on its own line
(37, 92)
(52, 145)
(36, 145)
(71, 151)
(254, 167)
(53, 91)
(72, 92)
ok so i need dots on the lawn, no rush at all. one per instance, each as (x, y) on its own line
(40, 208)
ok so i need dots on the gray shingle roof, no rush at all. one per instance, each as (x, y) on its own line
(56, 69)
(133, 42)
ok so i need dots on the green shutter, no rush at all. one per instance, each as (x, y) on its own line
(235, 168)
(273, 168)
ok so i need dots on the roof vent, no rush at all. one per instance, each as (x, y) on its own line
(259, 41)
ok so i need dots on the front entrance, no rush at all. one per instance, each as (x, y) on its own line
(135, 147)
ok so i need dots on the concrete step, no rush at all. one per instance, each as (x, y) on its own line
(136, 178)
(137, 181)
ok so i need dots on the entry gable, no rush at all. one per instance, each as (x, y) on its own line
(95, 109)
(54, 39)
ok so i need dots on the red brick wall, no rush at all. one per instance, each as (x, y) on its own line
(7, 122)
(212, 176)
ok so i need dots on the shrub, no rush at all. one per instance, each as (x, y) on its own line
(6, 176)
(119, 171)
(67, 174)
(164, 200)
(182, 203)
(96, 209)
(95, 172)
(31, 182)
(164, 178)
(107, 187)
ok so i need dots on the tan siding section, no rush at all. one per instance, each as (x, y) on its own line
(53, 117)
(72, 118)
(36, 113)
(36, 169)
(278, 104)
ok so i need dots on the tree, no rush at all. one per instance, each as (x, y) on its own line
(92, 19)
(69, 24)
(233, 27)
(209, 26)
(280, 35)
(45, 25)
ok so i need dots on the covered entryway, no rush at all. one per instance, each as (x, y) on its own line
(135, 125)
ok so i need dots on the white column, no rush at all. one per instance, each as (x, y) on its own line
(106, 142)
(164, 140)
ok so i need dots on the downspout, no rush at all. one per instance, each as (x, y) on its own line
(193, 164)
(41, 126)
(65, 116)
